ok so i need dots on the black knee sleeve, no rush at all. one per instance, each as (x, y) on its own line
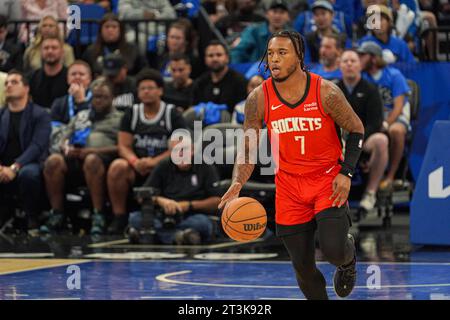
(333, 225)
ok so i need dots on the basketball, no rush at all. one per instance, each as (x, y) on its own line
(244, 219)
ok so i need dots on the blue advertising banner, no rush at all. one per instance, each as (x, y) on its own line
(430, 206)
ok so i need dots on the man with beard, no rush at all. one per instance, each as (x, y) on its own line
(394, 91)
(233, 24)
(179, 90)
(302, 112)
(393, 47)
(220, 84)
(323, 14)
(330, 52)
(50, 81)
(252, 43)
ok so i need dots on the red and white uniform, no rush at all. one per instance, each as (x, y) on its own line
(309, 148)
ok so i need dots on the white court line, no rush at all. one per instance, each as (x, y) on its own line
(173, 297)
(273, 262)
(265, 298)
(107, 243)
(165, 278)
(124, 244)
(53, 299)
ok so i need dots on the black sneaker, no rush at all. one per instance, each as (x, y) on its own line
(54, 223)
(98, 224)
(118, 224)
(345, 276)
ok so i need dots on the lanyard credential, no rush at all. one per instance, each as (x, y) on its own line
(71, 103)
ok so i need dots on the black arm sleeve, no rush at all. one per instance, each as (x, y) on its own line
(353, 148)
(374, 113)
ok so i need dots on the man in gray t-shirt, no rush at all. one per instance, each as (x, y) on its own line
(90, 145)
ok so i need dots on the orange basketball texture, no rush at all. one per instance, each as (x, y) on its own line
(244, 219)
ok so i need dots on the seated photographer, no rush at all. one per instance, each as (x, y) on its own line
(188, 194)
(89, 146)
(143, 141)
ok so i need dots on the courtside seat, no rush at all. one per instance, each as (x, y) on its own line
(414, 101)
(190, 116)
(222, 150)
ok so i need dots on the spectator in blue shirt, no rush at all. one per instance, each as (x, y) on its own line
(304, 23)
(323, 13)
(394, 92)
(393, 47)
(252, 44)
(24, 139)
(330, 52)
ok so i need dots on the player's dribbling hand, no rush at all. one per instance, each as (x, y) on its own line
(341, 189)
(232, 193)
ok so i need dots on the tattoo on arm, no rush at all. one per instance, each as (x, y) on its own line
(254, 114)
(336, 105)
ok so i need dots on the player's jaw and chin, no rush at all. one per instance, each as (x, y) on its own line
(290, 71)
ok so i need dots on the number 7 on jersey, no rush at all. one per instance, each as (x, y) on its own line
(302, 143)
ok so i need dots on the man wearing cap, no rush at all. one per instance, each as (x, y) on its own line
(394, 92)
(115, 70)
(304, 22)
(393, 46)
(253, 41)
(323, 14)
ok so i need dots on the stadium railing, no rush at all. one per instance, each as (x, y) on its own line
(79, 39)
(442, 36)
(89, 29)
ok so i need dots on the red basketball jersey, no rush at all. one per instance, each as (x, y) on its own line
(306, 136)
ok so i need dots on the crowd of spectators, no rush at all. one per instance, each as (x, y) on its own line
(102, 118)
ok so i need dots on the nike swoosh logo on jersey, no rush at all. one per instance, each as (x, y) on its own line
(275, 108)
(328, 171)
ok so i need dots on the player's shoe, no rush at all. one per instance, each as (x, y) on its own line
(345, 276)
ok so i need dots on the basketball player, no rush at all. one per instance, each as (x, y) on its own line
(305, 113)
